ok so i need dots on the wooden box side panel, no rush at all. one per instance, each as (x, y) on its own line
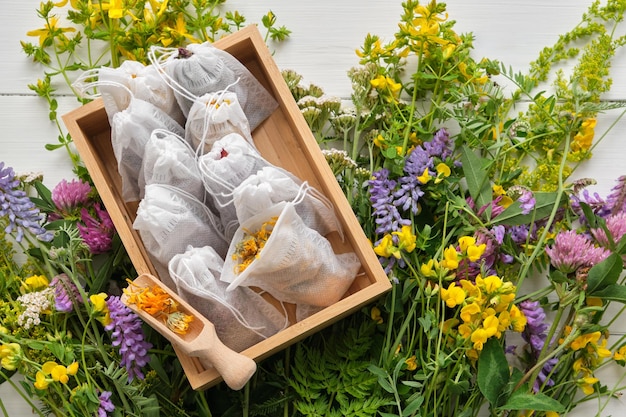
(90, 131)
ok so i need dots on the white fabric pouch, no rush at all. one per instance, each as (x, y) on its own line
(169, 220)
(296, 264)
(242, 317)
(168, 159)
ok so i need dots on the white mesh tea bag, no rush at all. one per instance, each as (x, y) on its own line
(271, 185)
(116, 86)
(168, 159)
(277, 252)
(169, 220)
(130, 131)
(214, 116)
(242, 317)
(230, 161)
(199, 69)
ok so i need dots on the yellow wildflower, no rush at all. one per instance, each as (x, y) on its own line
(10, 355)
(386, 248)
(411, 363)
(583, 139)
(41, 382)
(428, 268)
(100, 308)
(376, 316)
(406, 238)
(116, 9)
(587, 383)
(443, 171)
(72, 369)
(465, 242)
(35, 283)
(518, 319)
(497, 190)
(474, 252)
(453, 295)
(582, 340)
(49, 31)
(425, 177)
(470, 312)
(59, 373)
(450, 258)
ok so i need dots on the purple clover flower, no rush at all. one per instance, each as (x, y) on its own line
(18, 208)
(68, 196)
(126, 332)
(106, 406)
(535, 335)
(571, 251)
(96, 233)
(616, 225)
(66, 294)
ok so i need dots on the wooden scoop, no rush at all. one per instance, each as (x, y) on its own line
(200, 340)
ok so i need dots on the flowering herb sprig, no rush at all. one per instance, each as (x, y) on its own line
(79, 35)
(80, 350)
(467, 202)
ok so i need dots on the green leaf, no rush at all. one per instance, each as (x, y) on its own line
(513, 216)
(476, 175)
(604, 273)
(493, 371)
(614, 292)
(537, 402)
(413, 406)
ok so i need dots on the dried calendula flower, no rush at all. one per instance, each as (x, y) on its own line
(155, 301)
(249, 248)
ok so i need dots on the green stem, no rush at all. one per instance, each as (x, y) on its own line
(27, 399)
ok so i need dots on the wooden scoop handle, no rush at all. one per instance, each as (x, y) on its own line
(201, 341)
(236, 369)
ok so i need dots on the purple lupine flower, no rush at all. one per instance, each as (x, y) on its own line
(106, 406)
(386, 214)
(571, 251)
(616, 201)
(616, 225)
(96, 233)
(535, 335)
(19, 208)
(126, 332)
(527, 201)
(66, 294)
(68, 196)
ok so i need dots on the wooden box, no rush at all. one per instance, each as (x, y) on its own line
(284, 139)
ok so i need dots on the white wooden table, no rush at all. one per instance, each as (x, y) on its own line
(321, 48)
